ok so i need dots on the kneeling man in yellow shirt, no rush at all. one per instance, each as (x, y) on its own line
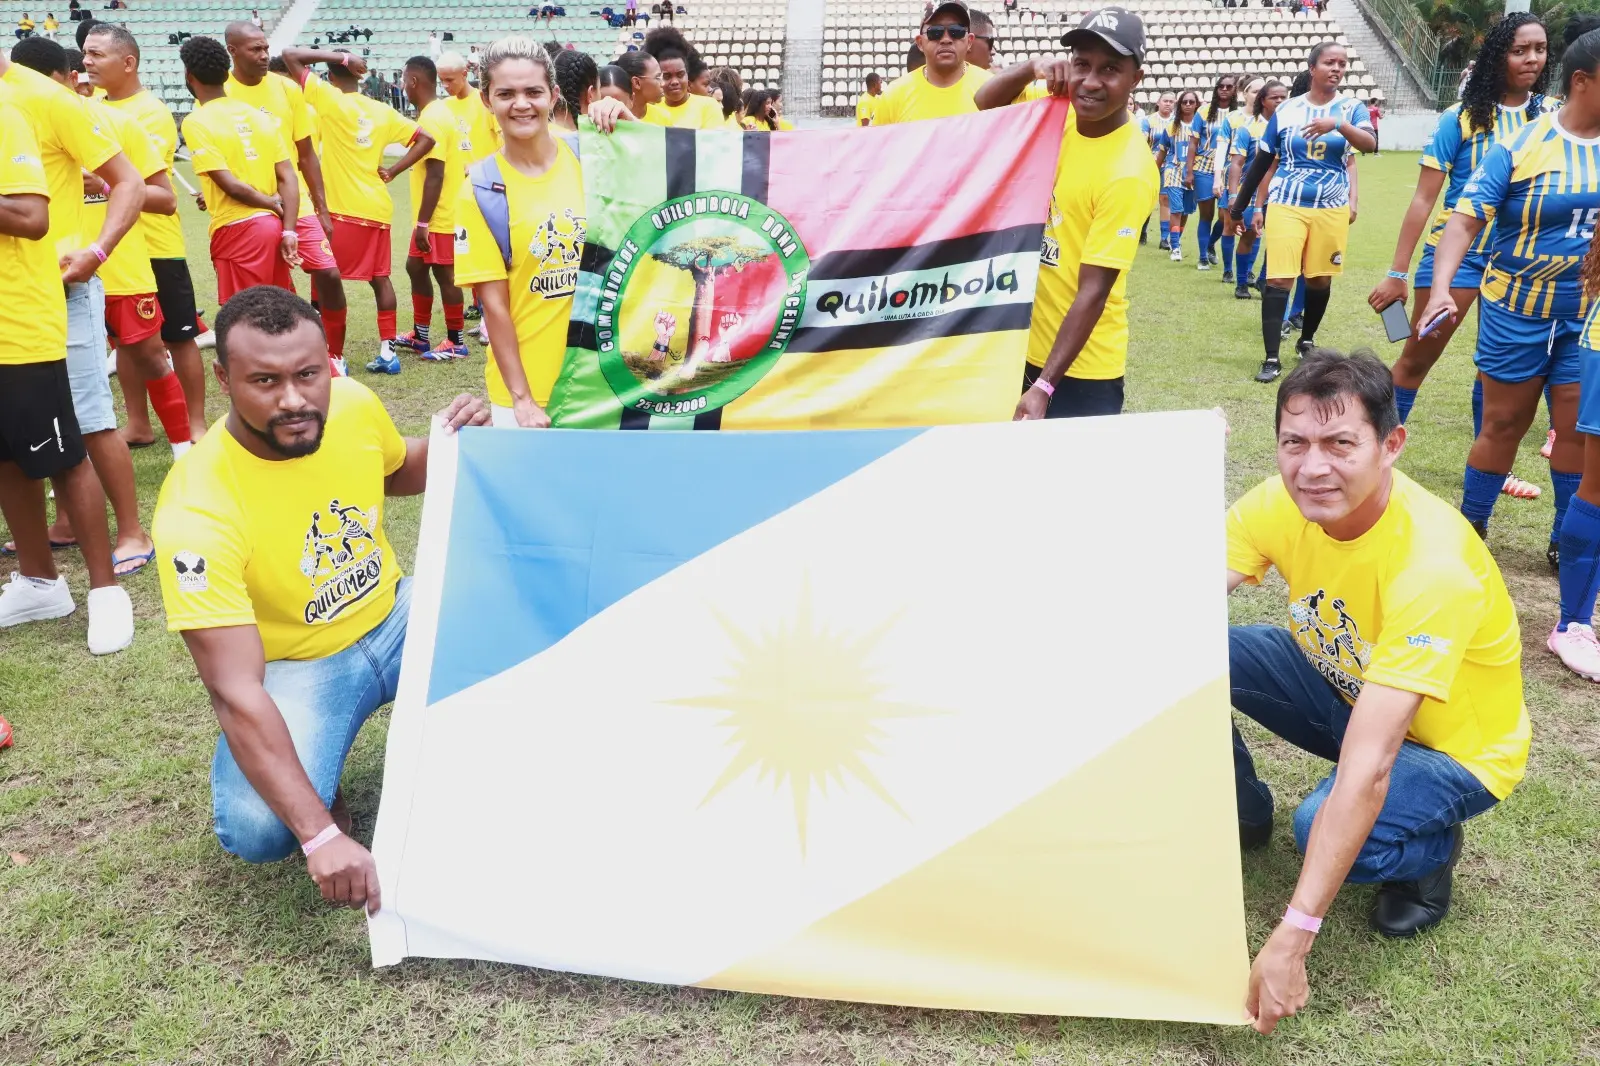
(1401, 664)
(276, 569)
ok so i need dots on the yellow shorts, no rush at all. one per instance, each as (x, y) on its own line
(1306, 241)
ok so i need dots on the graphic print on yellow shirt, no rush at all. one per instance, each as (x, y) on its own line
(439, 122)
(127, 271)
(476, 128)
(280, 100)
(356, 130)
(1416, 603)
(163, 234)
(294, 547)
(69, 143)
(227, 134)
(548, 228)
(33, 316)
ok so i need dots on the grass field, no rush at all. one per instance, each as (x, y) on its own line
(127, 935)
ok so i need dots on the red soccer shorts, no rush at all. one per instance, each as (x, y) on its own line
(316, 252)
(247, 253)
(361, 248)
(131, 319)
(441, 250)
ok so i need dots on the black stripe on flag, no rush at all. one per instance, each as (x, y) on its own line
(892, 334)
(757, 162)
(632, 419)
(680, 162)
(975, 247)
(596, 259)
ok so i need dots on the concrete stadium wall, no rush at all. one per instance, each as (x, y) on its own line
(1406, 131)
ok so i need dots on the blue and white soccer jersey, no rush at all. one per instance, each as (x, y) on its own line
(1589, 372)
(1205, 160)
(1542, 188)
(1311, 173)
(1455, 151)
(1246, 141)
(1180, 200)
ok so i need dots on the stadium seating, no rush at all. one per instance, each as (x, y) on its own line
(1190, 43)
(151, 21)
(747, 37)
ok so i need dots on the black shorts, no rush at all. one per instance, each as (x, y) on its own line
(1079, 397)
(38, 427)
(175, 293)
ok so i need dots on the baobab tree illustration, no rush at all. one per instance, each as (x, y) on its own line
(706, 259)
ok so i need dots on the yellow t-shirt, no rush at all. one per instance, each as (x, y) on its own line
(356, 130)
(657, 115)
(478, 132)
(548, 227)
(282, 101)
(695, 113)
(439, 122)
(69, 143)
(866, 107)
(1105, 189)
(228, 134)
(1416, 603)
(910, 98)
(294, 547)
(33, 316)
(163, 234)
(127, 271)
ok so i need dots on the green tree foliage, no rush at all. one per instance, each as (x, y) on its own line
(1461, 24)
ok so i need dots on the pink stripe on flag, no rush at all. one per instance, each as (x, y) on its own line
(917, 182)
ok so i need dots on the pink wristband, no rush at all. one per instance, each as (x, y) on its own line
(1044, 386)
(99, 252)
(1301, 920)
(320, 839)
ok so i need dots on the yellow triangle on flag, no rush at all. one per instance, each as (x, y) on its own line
(1099, 896)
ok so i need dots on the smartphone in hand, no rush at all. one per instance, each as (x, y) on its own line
(1395, 322)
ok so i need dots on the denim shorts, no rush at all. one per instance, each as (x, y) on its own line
(86, 357)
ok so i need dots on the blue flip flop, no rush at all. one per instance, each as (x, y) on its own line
(143, 560)
(55, 546)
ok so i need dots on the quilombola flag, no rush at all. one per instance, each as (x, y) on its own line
(864, 715)
(838, 278)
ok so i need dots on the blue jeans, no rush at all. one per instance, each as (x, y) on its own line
(1429, 792)
(324, 702)
(86, 356)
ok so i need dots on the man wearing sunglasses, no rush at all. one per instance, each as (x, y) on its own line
(945, 84)
(981, 54)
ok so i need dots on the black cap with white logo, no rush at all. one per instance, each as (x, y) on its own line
(1116, 26)
(953, 7)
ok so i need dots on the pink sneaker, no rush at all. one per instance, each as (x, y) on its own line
(1549, 445)
(1578, 649)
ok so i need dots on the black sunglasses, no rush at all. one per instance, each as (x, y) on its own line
(936, 33)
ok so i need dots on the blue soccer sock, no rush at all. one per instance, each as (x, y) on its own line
(1479, 491)
(1404, 400)
(1566, 486)
(1245, 266)
(1477, 408)
(1297, 306)
(1227, 255)
(1261, 278)
(1202, 230)
(1166, 231)
(1580, 563)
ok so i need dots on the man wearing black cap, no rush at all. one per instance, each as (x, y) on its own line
(1106, 185)
(945, 84)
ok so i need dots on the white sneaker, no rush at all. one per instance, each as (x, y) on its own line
(1177, 255)
(208, 339)
(23, 601)
(1578, 649)
(483, 335)
(110, 620)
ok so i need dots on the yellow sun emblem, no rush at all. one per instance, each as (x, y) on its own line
(804, 706)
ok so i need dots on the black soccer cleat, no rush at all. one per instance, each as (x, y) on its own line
(1269, 372)
(1552, 555)
(1242, 292)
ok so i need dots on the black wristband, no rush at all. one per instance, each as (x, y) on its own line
(658, 346)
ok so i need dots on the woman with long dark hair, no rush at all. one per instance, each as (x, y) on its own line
(1541, 188)
(1207, 125)
(1175, 158)
(1504, 92)
(634, 80)
(1267, 95)
(579, 81)
(1305, 148)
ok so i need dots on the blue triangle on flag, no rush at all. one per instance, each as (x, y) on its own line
(551, 527)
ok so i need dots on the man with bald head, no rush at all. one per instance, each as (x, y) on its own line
(281, 100)
(480, 134)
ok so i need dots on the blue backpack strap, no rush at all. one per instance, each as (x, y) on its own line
(570, 139)
(489, 190)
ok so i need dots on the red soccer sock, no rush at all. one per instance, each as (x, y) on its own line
(166, 396)
(455, 316)
(386, 325)
(421, 315)
(333, 325)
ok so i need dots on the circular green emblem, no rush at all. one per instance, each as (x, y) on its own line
(699, 302)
